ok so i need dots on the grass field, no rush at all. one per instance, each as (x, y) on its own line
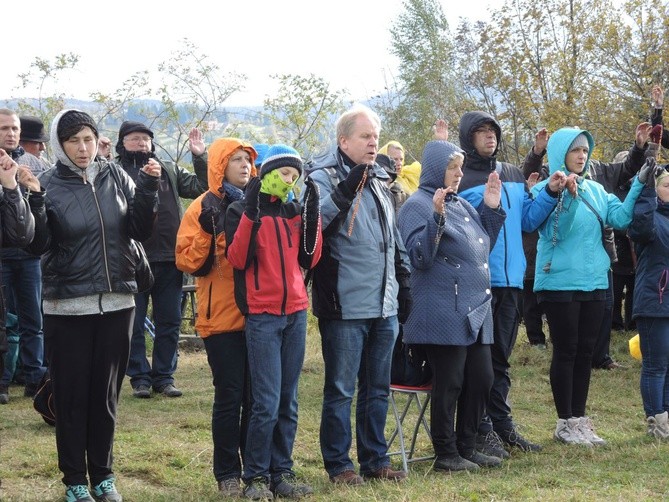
(163, 446)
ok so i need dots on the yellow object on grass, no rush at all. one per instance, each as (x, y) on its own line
(635, 347)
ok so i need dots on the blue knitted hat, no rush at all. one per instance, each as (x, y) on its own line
(261, 148)
(281, 156)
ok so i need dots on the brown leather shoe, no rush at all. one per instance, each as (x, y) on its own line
(386, 473)
(347, 478)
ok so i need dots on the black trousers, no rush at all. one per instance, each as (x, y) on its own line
(532, 314)
(623, 282)
(88, 356)
(574, 328)
(461, 379)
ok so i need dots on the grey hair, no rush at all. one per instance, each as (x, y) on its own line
(346, 122)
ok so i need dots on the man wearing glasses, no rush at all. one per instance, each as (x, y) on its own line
(135, 149)
(480, 135)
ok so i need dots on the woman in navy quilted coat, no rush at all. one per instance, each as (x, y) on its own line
(449, 242)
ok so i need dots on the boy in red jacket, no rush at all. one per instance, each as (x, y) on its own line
(270, 241)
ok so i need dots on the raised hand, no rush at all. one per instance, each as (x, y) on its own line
(571, 184)
(493, 191)
(657, 96)
(208, 218)
(557, 181)
(532, 180)
(8, 169)
(312, 199)
(350, 185)
(642, 134)
(540, 141)
(440, 130)
(27, 179)
(152, 168)
(196, 142)
(251, 197)
(647, 172)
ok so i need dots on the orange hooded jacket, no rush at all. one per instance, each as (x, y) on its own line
(217, 311)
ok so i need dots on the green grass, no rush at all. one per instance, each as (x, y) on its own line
(163, 446)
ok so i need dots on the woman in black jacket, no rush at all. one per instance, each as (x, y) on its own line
(87, 211)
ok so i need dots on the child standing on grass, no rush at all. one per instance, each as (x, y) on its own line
(270, 241)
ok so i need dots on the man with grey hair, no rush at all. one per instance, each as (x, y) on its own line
(360, 292)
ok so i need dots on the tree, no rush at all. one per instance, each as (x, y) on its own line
(426, 87)
(303, 111)
(42, 76)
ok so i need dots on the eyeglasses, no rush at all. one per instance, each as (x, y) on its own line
(137, 139)
(485, 129)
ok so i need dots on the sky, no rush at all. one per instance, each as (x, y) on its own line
(345, 42)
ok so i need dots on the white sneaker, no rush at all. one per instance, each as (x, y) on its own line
(658, 426)
(587, 429)
(568, 432)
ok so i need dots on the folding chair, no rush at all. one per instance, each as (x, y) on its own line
(149, 327)
(419, 397)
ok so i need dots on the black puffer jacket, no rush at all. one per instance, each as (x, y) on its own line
(84, 230)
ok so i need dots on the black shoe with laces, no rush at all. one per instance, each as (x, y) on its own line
(491, 444)
(514, 439)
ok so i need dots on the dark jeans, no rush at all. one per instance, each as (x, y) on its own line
(623, 286)
(275, 346)
(166, 302)
(574, 330)
(356, 350)
(506, 315)
(226, 353)
(22, 280)
(532, 315)
(600, 353)
(88, 355)
(654, 382)
(461, 379)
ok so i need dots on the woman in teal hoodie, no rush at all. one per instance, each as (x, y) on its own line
(571, 276)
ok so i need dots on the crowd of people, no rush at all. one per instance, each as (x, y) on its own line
(435, 256)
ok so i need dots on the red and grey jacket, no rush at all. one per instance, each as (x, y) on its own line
(268, 256)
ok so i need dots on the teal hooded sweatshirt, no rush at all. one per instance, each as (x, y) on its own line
(570, 252)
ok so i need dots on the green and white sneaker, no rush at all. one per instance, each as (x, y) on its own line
(78, 493)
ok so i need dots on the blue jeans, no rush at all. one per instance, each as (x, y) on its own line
(275, 346)
(654, 382)
(166, 300)
(362, 349)
(226, 353)
(22, 280)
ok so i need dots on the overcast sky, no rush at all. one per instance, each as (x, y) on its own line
(346, 42)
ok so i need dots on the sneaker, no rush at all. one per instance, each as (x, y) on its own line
(106, 491)
(386, 473)
(658, 426)
(348, 477)
(258, 489)
(587, 429)
(483, 460)
(230, 488)
(169, 390)
(288, 487)
(491, 444)
(514, 439)
(569, 432)
(30, 390)
(4, 394)
(141, 392)
(454, 464)
(75, 493)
